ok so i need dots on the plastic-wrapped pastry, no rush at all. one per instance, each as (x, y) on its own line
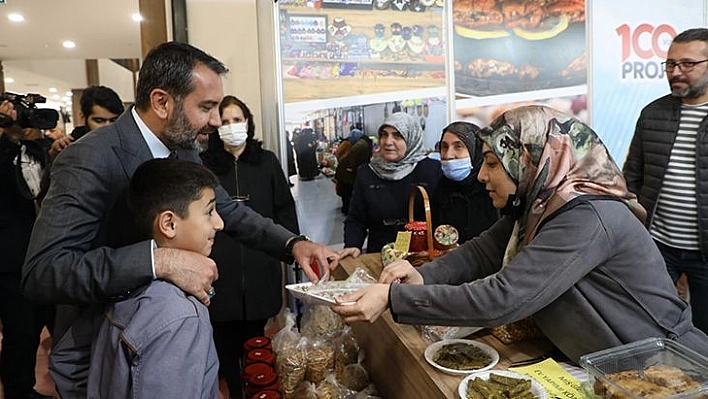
(390, 254)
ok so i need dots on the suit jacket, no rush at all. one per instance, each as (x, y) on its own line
(84, 252)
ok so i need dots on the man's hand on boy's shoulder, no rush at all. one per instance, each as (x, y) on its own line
(194, 273)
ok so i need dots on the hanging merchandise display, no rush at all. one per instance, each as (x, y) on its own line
(348, 48)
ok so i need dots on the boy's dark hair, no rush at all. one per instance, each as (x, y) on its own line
(103, 97)
(166, 184)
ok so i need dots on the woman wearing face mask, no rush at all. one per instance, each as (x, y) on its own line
(571, 249)
(249, 285)
(460, 199)
(378, 207)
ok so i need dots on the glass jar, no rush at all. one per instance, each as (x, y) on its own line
(267, 394)
(260, 356)
(256, 343)
(419, 238)
(264, 381)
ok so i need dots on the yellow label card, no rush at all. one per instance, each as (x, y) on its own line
(403, 241)
(555, 379)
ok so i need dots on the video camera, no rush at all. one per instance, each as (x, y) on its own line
(28, 115)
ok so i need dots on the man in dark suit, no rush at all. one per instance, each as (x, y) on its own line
(84, 250)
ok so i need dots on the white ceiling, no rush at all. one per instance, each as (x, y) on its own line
(32, 53)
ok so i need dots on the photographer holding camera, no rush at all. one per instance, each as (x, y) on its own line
(22, 162)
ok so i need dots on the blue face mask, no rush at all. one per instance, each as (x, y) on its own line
(457, 169)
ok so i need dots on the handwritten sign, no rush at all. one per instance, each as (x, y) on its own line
(403, 241)
(557, 381)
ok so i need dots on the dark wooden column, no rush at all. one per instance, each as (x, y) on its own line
(153, 28)
(2, 78)
(92, 76)
(77, 115)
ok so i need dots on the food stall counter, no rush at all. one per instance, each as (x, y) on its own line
(395, 352)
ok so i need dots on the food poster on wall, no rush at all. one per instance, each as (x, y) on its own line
(483, 115)
(628, 45)
(503, 47)
(335, 49)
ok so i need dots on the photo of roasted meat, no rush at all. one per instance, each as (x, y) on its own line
(509, 14)
(573, 9)
(477, 13)
(578, 65)
(523, 13)
(486, 68)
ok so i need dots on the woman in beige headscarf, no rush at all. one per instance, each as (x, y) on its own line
(378, 208)
(570, 251)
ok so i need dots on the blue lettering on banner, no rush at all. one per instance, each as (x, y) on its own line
(637, 70)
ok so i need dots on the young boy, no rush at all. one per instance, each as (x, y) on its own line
(158, 343)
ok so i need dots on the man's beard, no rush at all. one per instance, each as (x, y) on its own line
(692, 91)
(179, 133)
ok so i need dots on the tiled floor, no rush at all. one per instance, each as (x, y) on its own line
(320, 217)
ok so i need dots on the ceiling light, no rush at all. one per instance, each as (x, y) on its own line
(56, 97)
(68, 94)
(68, 44)
(65, 99)
(137, 17)
(9, 80)
(15, 17)
(52, 89)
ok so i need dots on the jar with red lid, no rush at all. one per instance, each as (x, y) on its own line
(267, 394)
(260, 356)
(256, 343)
(255, 368)
(419, 238)
(264, 381)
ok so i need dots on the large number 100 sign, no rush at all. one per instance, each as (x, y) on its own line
(645, 42)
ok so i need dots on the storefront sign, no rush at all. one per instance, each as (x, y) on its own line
(627, 45)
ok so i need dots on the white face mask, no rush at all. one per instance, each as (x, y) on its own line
(234, 134)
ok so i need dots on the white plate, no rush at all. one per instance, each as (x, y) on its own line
(433, 348)
(536, 388)
(323, 294)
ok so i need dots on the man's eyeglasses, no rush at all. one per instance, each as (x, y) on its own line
(684, 66)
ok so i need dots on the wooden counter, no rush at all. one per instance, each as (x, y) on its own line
(394, 352)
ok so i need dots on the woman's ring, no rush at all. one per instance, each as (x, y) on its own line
(211, 292)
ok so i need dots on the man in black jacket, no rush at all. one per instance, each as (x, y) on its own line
(667, 167)
(21, 165)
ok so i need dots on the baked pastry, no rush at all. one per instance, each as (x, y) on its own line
(658, 381)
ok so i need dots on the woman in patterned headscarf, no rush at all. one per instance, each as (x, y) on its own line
(570, 251)
(378, 207)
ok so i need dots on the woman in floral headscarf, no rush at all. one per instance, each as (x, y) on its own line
(570, 251)
(378, 207)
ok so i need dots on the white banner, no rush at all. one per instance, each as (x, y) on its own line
(627, 45)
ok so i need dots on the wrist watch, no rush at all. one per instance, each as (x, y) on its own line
(289, 258)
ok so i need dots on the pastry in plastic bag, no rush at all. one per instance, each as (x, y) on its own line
(389, 254)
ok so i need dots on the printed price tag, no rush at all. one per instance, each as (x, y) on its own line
(403, 241)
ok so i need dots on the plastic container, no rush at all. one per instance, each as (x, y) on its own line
(268, 394)
(265, 381)
(656, 367)
(256, 368)
(256, 343)
(260, 356)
